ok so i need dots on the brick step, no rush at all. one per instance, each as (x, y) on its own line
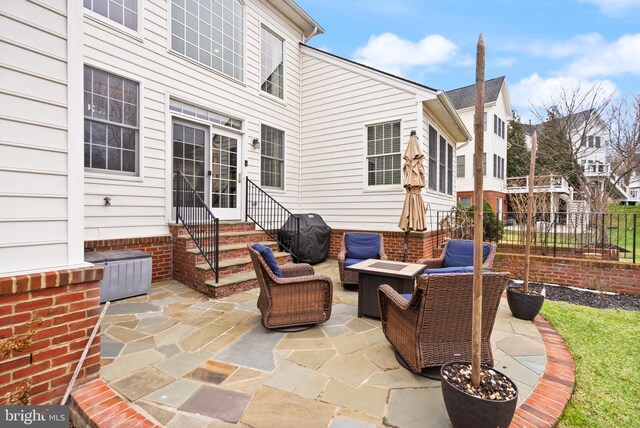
(239, 264)
(230, 251)
(245, 237)
(231, 284)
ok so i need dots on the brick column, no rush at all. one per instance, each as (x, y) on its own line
(45, 323)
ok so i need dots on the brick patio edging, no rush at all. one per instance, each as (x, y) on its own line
(550, 396)
(97, 405)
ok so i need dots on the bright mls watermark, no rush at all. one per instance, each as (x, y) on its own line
(34, 416)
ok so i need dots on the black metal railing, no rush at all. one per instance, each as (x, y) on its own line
(608, 235)
(198, 219)
(269, 215)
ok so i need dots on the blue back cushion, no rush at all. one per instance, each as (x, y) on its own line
(269, 258)
(460, 253)
(362, 245)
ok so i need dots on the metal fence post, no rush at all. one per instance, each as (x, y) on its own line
(635, 232)
(555, 233)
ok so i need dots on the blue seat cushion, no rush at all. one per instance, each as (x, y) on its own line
(460, 253)
(453, 269)
(407, 297)
(269, 258)
(362, 245)
(349, 262)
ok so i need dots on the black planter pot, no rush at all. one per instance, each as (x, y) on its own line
(523, 306)
(468, 411)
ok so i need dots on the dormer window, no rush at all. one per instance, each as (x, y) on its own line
(210, 32)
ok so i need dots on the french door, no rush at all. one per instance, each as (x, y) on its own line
(209, 159)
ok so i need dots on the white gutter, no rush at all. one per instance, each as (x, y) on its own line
(446, 103)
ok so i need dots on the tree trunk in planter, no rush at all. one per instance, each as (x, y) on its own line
(470, 411)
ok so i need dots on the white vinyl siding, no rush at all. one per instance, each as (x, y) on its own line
(124, 12)
(210, 32)
(34, 167)
(272, 64)
(140, 206)
(383, 154)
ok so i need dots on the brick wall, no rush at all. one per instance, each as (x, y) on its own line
(421, 244)
(605, 275)
(45, 322)
(160, 248)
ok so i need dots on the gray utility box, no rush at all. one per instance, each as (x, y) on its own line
(127, 273)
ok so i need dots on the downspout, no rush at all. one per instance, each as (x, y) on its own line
(305, 38)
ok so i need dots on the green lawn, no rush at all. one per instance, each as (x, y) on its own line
(605, 344)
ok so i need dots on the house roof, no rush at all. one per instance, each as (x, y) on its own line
(466, 96)
(301, 18)
(576, 120)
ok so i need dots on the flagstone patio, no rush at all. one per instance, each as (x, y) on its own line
(191, 361)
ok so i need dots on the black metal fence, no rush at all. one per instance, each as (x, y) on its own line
(198, 219)
(612, 235)
(278, 222)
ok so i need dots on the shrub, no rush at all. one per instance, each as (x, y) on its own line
(492, 227)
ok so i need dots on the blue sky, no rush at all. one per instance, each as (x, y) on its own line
(539, 45)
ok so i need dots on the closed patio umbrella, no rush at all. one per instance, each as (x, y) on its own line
(413, 212)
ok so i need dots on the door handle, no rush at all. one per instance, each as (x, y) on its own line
(239, 178)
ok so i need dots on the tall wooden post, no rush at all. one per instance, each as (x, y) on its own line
(527, 242)
(478, 130)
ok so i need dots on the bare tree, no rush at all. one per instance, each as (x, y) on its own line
(623, 138)
(572, 125)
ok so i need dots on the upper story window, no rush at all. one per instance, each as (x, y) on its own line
(272, 68)
(484, 121)
(593, 141)
(383, 154)
(498, 167)
(272, 157)
(210, 32)
(499, 126)
(124, 12)
(110, 122)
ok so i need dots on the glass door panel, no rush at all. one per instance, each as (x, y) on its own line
(224, 176)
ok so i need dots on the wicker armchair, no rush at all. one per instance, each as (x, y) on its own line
(349, 277)
(437, 263)
(434, 326)
(295, 302)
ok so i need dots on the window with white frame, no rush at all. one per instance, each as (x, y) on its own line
(464, 201)
(460, 166)
(124, 12)
(484, 164)
(210, 32)
(499, 127)
(433, 158)
(440, 169)
(383, 154)
(593, 141)
(110, 122)
(498, 166)
(272, 66)
(272, 157)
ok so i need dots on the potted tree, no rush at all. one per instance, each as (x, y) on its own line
(475, 395)
(525, 303)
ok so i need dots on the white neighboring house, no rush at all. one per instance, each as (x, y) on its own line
(107, 102)
(633, 190)
(497, 113)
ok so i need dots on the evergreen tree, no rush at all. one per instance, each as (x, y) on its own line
(518, 156)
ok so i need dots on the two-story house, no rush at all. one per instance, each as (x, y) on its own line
(497, 113)
(103, 101)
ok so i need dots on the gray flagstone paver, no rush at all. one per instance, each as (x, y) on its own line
(254, 349)
(217, 403)
(174, 394)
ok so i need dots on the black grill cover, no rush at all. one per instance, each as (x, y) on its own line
(313, 239)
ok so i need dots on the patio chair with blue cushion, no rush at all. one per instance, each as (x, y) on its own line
(432, 326)
(356, 247)
(457, 257)
(292, 297)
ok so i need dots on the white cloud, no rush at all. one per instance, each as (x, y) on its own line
(614, 7)
(577, 45)
(535, 91)
(609, 59)
(399, 56)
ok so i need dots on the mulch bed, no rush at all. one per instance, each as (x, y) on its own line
(590, 298)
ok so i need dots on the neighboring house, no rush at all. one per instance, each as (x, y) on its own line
(497, 113)
(633, 191)
(589, 143)
(101, 105)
